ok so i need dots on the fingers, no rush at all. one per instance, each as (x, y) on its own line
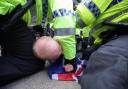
(68, 67)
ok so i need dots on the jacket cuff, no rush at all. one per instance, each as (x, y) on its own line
(69, 61)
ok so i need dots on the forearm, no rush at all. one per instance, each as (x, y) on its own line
(68, 44)
(64, 26)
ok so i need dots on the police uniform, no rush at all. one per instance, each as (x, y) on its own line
(17, 59)
(107, 66)
(63, 18)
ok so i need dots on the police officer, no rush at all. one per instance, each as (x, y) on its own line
(62, 17)
(64, 28)
(17, 59)
(107, 66)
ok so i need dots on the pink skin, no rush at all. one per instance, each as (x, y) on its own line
(46, 48)
(68, 67)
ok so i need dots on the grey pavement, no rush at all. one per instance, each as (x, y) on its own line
(41, 80)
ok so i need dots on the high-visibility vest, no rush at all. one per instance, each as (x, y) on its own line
(64, 25)
(89, 10)
(93, 12)
(117, 13)
(6, 6)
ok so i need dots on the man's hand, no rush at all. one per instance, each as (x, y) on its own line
(68, 67)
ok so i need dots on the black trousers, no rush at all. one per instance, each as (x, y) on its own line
(108, 66)
(17, 59)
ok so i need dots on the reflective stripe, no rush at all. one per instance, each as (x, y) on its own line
(63, 12)
(115, 2)
(45, 11)
(92, 7)
(64, 31)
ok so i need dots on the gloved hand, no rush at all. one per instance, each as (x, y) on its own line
(69, 65)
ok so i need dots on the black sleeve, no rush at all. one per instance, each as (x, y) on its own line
(69, 61)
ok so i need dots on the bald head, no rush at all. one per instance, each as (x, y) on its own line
(46, 48)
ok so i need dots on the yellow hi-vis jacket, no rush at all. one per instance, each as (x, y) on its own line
(89, 10)
(116, 13)
(93, 12)
(64, 26)
(6, 6)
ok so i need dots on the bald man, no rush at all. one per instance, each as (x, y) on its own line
(47, 48)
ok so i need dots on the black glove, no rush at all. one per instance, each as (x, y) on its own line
(88, 51)
(72, 62)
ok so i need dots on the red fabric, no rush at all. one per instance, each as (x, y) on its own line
(79, 71)
(66, 76)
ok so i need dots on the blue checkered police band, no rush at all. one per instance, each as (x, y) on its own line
(63, 12)
(45, 10)
(92, 7)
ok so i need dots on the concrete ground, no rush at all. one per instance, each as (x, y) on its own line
(41, 80)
